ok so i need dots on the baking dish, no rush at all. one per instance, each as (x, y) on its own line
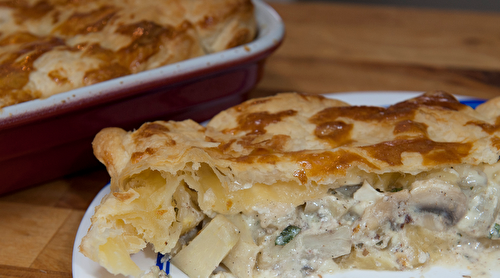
(47, 138)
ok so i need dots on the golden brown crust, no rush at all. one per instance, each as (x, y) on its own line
(315, 140)
(109, 149)
(70, 44)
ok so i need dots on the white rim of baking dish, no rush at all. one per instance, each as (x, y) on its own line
(271, 32)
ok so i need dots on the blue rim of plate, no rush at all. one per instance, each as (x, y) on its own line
(162, 263)
(473, 102)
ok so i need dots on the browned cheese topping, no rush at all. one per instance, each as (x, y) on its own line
(398, 127)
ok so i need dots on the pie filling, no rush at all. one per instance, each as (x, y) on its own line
(392, 221)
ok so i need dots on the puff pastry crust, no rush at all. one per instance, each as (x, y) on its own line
(49, 47)
(281, 159)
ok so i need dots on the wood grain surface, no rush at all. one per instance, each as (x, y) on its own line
(328, 48)
(342, 48)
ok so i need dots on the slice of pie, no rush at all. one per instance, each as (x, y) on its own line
(49, 47)
(299, 185)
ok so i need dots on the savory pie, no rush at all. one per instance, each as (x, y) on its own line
(299, 185)
(49, 47)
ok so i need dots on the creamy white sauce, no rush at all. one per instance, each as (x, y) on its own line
(441, 218)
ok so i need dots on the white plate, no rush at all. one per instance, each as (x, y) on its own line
(86, 268)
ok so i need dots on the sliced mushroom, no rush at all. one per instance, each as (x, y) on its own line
(469, 176)
(442, 201)
(434, 204)
(382, 219)
(346, 191)
(481, 213)
(388, 209)
(332, 244)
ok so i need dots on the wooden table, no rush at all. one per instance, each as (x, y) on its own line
(328, 48)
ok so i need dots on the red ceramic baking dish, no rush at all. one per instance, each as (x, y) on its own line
(47, 138)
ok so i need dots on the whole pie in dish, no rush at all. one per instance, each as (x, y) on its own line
(298, 185)
(49, 47)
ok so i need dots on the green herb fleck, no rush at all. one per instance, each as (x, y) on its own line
(495, 231)
(287, 235)
(397, 189)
